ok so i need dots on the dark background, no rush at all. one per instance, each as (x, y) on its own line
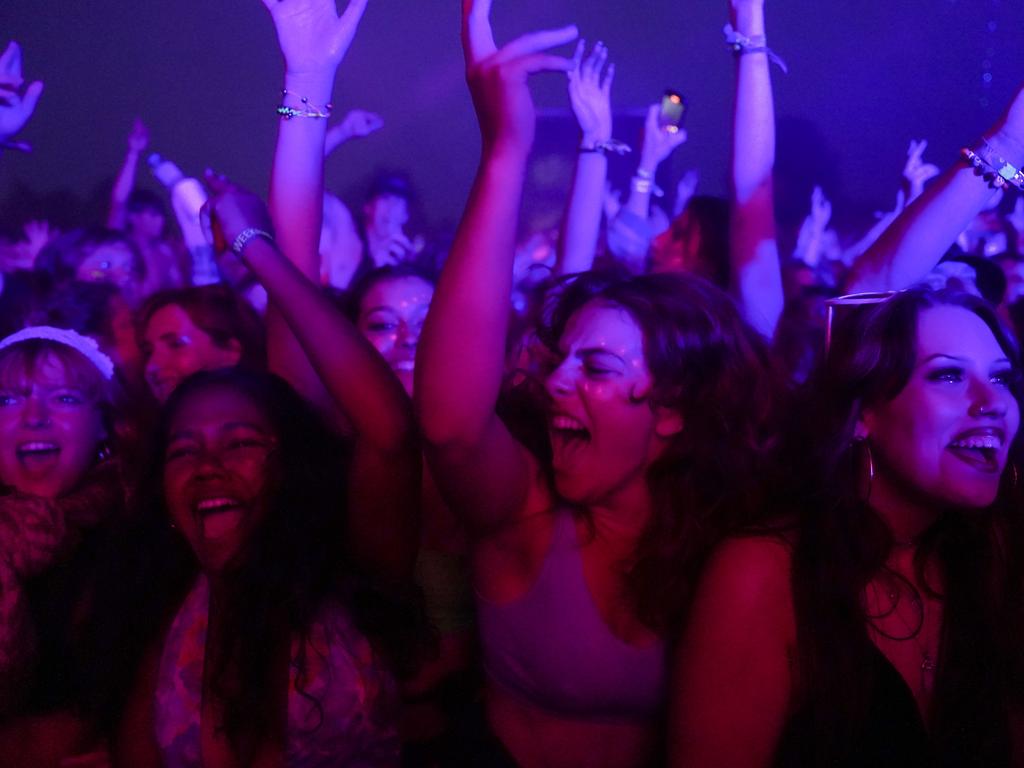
(866, 76)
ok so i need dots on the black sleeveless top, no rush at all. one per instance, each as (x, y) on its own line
(892, 735)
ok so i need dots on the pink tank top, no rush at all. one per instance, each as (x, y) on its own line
(552, 648)
(357, 697)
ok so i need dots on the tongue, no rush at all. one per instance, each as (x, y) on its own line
(221, 522)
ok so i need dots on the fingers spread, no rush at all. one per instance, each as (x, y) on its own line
(544, 62)
(609, 78)
(32, 94)
(535, 42)
(477, 37)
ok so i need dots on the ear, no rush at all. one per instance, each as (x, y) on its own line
(667, 422)
(865, 425)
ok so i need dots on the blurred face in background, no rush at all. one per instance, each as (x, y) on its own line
(174, 347)
(391, 317)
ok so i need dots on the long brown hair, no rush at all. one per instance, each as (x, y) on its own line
(843, 545)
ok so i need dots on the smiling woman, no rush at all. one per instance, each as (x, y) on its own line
(879, 623)
(57, 489)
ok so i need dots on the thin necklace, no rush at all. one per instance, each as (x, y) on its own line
(913, 630)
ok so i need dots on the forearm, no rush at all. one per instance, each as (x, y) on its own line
(296, 183)
(354, 374)
(123, 184)
(755, 269)
(460, 359)
(915, 242)
(583, 214)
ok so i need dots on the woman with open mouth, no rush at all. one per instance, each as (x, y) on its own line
(584, 552)
(879, 625)
(58, 486)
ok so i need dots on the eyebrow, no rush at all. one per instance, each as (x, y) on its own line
(226, 427)
(957, 359)
(380, 309)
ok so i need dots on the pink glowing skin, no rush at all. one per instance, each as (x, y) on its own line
(958, 396)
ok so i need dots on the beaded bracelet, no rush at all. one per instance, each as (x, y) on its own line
(307, 109)
(742, 44)
(643, 182)
(999, 174)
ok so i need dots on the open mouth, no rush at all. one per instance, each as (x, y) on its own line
(37, 453)
(979, 449)
(568, 434)
(219, 516)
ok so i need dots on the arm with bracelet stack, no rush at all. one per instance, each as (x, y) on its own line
(590, 96)
(921, 235)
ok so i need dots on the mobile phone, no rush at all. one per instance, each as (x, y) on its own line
(673, 111)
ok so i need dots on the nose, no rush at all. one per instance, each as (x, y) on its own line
(987, 399)
(36, 412)
(560, 381)
(408, 335)
(154, 363)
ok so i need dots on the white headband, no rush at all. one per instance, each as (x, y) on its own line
(81, 344)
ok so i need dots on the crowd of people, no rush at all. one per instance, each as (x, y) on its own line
(284, 485)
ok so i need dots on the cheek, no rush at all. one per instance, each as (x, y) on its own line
(382, 341)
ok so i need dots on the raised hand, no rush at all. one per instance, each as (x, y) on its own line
(312, 35)
(685, 190)
(590, 93)
(497, 78)
(658, 143)
(138, 139)
(15, 107)
(916, 171)
(231, 210)
(355, 125)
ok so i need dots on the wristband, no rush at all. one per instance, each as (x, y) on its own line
(246, 235)
(996, 170)
(741, 44)
(604, 147)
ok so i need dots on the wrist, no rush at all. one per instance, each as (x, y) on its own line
(1008, 145)
(316, 87)
(749, 19)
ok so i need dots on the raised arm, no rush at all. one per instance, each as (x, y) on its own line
(384, 478)
(918, 238)
(590, 96)
(16, 105)
(355, 125)
(658, 144)
(754, 251)
(482, 471)
(138, 140)
(314, 39)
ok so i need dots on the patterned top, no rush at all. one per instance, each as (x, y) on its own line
(356, 696)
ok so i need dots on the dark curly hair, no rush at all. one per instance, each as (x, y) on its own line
(712, 368)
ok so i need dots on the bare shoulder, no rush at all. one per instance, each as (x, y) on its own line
(747, 582)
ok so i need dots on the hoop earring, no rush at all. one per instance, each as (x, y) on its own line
(863, 441)
(1016, 475)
